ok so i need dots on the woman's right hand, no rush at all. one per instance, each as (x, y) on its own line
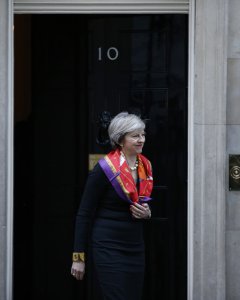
(78, 269)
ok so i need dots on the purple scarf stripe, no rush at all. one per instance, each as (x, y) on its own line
(144, 199)
(112, 178)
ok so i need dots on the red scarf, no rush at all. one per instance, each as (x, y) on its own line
(120, 169)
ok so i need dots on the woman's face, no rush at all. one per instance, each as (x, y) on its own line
(133, 142)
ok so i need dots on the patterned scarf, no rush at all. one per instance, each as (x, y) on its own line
(117, 170)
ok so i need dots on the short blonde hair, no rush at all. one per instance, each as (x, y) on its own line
(122, 124)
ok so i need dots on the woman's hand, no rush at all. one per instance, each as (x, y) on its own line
(78, 269)
(140, 211)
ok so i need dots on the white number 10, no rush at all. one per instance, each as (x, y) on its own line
(112, 53)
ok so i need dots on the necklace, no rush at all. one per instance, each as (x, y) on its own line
(135, 165)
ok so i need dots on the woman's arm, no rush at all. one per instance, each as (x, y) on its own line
(93, 191)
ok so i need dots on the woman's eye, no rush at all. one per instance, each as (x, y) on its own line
(137, 136)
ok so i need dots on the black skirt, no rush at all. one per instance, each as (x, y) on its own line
(118, 258)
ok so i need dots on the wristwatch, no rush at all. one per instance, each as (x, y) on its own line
(78, 256)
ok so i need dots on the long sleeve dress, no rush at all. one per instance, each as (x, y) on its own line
(116, 239)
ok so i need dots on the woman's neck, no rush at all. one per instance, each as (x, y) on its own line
(131, 158)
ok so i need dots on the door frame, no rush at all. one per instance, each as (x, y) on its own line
(199, 282)
(109, 7)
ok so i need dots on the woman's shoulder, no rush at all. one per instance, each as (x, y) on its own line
(95, 179)
(98, 174)
(97, 170)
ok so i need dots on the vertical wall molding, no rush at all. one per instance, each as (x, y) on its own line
(6, 148)
(190, 207)
(210, 62)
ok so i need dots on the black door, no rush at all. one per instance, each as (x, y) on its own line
(82, 66)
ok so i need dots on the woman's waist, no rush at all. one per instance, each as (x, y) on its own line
(110, 229)
(114, 214)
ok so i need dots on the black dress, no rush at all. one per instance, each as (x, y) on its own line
(116, 239)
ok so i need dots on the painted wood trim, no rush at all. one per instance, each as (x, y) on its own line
(191, 162)
(100, 7)
(6, 149)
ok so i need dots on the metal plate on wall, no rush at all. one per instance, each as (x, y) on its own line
(234, 172)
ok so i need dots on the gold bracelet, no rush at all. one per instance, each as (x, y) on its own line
(78, 256)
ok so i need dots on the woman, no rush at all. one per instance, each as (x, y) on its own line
(114, 202)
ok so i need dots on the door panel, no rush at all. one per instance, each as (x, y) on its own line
(84, 65)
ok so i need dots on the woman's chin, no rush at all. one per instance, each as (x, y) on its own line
(138, 151)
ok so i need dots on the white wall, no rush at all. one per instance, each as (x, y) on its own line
(210, 70)
(233, 147)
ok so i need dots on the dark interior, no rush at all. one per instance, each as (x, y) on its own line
(71, 71)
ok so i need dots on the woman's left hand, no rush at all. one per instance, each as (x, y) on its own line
(140, 211)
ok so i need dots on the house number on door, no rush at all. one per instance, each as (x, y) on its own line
(111, 53)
